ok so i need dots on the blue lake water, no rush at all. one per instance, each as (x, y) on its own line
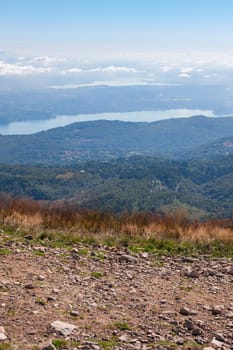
(34, 126)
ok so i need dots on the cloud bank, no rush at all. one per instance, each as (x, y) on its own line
(167, 69)
(16, 69)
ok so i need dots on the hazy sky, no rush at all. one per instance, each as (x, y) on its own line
(115, 27)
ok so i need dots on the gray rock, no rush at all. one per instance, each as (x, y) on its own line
(220, 337)
(180, 341)
(51, 298)
(217, 309)
(218, 344)
(229, 270)
(145, 255)
(184, 311)
(74, 313)
(89, 346)
(95, 347)
(2, 334)
(196, 332)
(41, 278)
(191, 273)
(211, 272)
(48, 346)
(28, 237)
(188, 324)
(123, 338)
(63, 328)
(193, 312)
(188, 259)
(127, 258)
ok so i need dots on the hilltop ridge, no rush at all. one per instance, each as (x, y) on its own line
(106, 140)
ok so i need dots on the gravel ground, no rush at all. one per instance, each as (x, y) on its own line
(112, 299)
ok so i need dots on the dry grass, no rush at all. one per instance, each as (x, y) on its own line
(28, 215)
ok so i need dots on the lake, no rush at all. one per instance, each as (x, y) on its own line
(34, 126)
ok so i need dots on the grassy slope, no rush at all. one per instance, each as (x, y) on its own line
(160, 234)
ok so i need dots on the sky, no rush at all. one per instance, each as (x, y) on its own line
(66, 45)
(116, 28)
(71, 43)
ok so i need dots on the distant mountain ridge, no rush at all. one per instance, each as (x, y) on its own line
(106, 140)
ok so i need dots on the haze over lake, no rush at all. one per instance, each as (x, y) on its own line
(34, 126)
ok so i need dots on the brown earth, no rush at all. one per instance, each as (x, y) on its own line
(115, 299)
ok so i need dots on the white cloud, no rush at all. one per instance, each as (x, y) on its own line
(112, 83)
(45, 60)
(72, 70)
(108, 69)
(186, 69)
(212, 75)
(22, 65)
(184, 75)
(166, 69)
(114, 69)
(21, 58)
(16, 69)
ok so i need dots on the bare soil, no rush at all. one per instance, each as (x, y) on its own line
(114, 298)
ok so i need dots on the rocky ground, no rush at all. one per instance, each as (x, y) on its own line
(106, 298)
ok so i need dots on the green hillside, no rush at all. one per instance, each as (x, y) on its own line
(107, 140)
(202, 188)
(219, 147)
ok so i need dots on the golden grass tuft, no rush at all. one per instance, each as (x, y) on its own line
(23, 221)
(29, 215)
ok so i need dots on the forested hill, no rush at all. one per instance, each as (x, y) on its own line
(203, 188)
(106, 140)
(219, 147)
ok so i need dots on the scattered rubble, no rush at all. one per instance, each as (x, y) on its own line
(109, 298)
